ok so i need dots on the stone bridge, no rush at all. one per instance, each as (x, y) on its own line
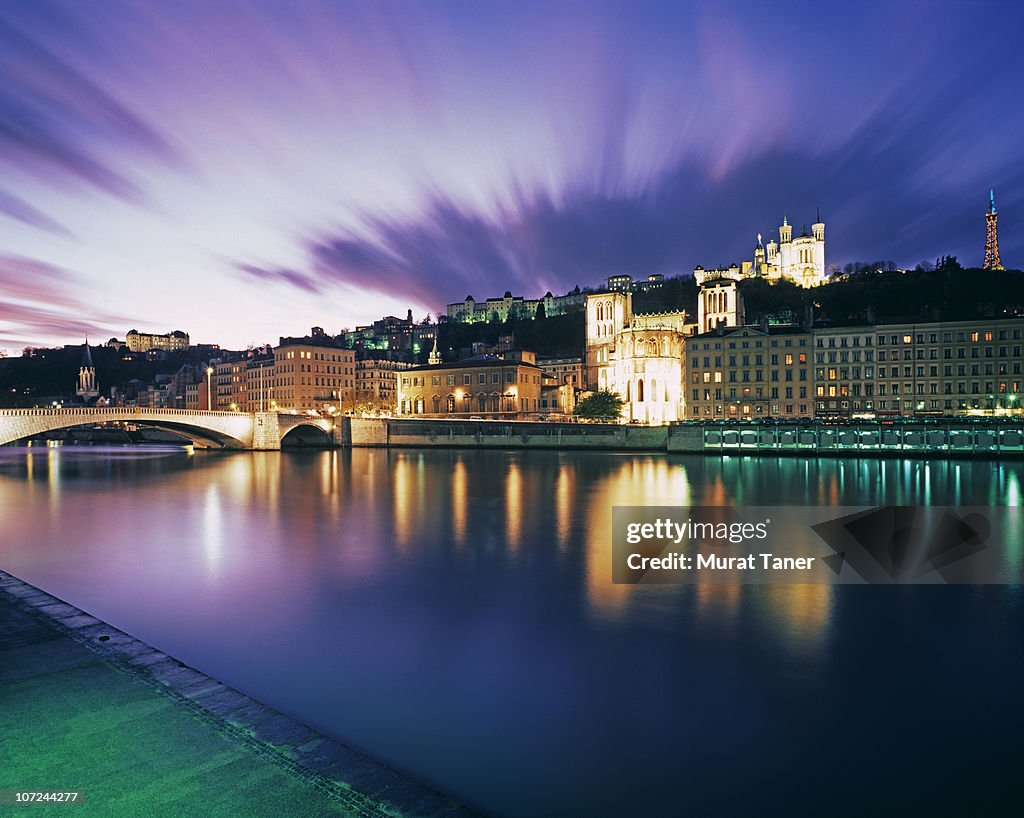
(228, 430)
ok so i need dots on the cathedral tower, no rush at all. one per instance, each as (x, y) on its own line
(785, 232)
(719, 300)
(992, 261)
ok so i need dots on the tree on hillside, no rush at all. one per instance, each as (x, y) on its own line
(601, 404)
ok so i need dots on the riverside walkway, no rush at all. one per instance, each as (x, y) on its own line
(86, 707)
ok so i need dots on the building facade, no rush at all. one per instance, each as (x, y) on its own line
(168, 342)
(719, 300)
(313, 375)
(949, 368)
(569, 371)
(800, 259)
(376, 388)
(513, 306)
(623, 283)
(749, 373)
(486, 386)
(637, 356)
(844, 371)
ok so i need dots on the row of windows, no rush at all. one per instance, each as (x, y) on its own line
(467, 379)
(758, 344)
(290, 354)
(929, 404)
(746, 409)
(745, 376)
(788, 359)
(747, 392)
(931, 371)
(468, 403)
(961, 336)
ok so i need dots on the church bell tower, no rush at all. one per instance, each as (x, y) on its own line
(87, 389)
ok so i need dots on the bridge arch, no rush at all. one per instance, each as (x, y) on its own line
(306, 436)
(232, 430)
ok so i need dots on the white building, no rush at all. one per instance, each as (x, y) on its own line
(800, 259)
(639, 357)
(719, 300)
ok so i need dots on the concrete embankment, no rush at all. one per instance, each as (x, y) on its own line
(899, 438)
(402, 432)
(89, 708)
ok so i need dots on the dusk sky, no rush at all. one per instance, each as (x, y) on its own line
(247, 170)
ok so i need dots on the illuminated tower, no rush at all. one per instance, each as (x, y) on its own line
(87, 388)
(435, 357)
(992, 261)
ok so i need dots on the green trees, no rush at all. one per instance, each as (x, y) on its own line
(601, 404)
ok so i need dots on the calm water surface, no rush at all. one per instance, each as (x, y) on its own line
(452, 613)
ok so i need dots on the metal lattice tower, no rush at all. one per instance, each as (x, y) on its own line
(992, 261)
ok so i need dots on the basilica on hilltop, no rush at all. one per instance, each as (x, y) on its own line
(800, 260)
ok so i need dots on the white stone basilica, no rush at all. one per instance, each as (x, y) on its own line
(800, 260)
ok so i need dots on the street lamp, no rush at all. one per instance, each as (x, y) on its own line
(209, 389)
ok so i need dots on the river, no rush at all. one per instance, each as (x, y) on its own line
(452, 613)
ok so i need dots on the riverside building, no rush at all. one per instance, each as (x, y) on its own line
(376, 387)
(949, 368)
(638, 356)
(484, 386)
(749, 373)
(313, 374)
(844, 371)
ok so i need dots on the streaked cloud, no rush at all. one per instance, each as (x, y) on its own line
(327, 162)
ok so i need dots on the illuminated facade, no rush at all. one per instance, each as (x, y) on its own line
(949, 368)
(719, 300)
(87, 387)
(749, 373)
(311, 376)
(513, 306)
(486, 386)
(168, 342)
(637, 356)
(376, 387)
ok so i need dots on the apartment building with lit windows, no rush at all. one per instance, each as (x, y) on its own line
(313, 375)
(950, 368)
(376, 387)
(844, 371)
(749, 373)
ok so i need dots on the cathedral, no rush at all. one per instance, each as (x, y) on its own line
(87, 387)
(637, 356)
(800, 260)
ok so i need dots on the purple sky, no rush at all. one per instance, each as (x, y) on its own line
(247, 170)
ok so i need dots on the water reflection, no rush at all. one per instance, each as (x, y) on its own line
(445, 609)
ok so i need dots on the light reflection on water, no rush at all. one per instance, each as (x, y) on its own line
(452, 613)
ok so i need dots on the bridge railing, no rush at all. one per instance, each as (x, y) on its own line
(117, 410)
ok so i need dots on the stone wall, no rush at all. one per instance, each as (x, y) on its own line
(503, 434)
